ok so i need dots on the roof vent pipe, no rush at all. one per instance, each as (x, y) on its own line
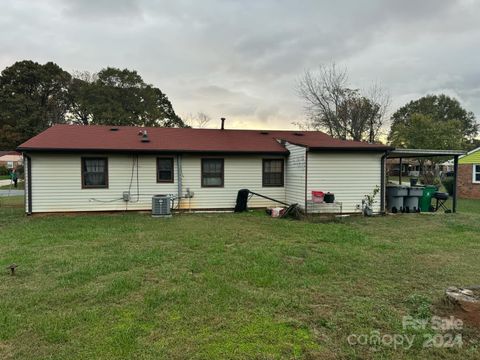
(145, 138)
(223, 123)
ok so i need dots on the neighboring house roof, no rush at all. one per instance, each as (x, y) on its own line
(3, 153)
(472, 157)
(128, 138)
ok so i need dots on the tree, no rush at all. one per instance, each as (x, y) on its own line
(342, 112)
(423, 132)
(32, 98)
(81, 97)
(440, 109)
(199, 121)
(119, 97)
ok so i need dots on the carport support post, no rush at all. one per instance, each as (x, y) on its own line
(455, 174)
(400, 165)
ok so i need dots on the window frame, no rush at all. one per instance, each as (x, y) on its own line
(203, 185)
(265, 160)
(474, 173)
(82, 167)
(161, 181)
(10, 165)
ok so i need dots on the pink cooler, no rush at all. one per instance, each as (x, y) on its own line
(317, 196)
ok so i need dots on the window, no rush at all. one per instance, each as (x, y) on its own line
(95, 172)
(476, 173)
(212, 172)
(10, 164)
(272, 172)
(165, 170)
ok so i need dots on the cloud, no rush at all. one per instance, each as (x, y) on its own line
(242, 59)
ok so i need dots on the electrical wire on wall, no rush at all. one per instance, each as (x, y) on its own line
(105, 201)
(134, 173)
(135, 166)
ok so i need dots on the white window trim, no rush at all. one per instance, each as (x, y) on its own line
(474, 172)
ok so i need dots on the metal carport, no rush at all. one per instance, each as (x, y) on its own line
(423, 153)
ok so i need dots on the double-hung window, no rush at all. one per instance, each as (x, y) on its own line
(94, 172)
(212, 172)
(272, 172)
(164, 170)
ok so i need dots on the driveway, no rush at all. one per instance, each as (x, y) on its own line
(4, 182)
(11, 192)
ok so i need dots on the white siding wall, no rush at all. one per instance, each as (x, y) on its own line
(350, 176)
(295, 175)
(56, 183)
(25, 177)
(241, 172)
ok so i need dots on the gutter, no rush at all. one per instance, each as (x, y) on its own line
(157, 151)
(353, 149)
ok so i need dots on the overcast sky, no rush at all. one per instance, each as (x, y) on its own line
(242, 59)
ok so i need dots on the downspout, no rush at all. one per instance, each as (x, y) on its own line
(28, 190)
(382, 182)
(179, 179)
(306, 179)
(455, 180)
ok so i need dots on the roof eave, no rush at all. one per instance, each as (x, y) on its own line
(151, 151)
(353, 148)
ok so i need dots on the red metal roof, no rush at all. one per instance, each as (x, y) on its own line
(128, 138)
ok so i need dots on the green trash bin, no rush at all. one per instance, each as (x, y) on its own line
(426, 199)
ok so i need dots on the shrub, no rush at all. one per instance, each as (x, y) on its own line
(449, 183)
(429, 178)
(4, 170)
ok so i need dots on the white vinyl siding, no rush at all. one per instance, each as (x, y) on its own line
(57, 186)
(25, 162)
(295, 175)
(350, 176)
(240, 172)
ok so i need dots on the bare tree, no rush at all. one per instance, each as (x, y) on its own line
(199, 121)
(323, 92)
(381, 99)
(344, 113)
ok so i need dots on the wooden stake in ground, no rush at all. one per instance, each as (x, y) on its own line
(12, 268)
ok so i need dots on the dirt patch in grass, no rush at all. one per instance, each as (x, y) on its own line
(471, 318)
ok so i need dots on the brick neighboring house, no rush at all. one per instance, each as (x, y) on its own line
(469, 175)
(10, 159)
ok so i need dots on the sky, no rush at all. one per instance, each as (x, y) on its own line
(242, 59)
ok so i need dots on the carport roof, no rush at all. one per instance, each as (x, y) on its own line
(406, 153)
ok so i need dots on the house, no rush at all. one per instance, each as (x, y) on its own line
(105, 168)
(469, 175)
(10, 159)
(410, 167)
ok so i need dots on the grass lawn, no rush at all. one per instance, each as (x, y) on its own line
(20, 186)
(210, 286)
